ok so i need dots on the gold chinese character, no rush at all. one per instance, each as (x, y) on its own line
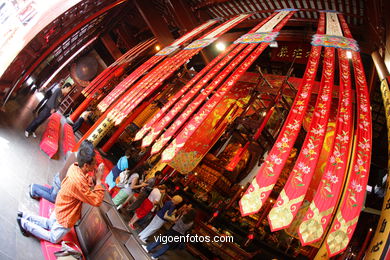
(283, 52)
(297, 53)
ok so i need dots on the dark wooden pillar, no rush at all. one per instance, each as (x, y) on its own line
(183, 14)
(111, 46)
(186, 20)
(155, 22)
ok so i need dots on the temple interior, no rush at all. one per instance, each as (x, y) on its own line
(268, 118)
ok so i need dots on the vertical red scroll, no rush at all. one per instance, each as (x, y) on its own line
(262, 184)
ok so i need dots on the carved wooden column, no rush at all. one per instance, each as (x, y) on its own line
(155, 22)
(111, 46)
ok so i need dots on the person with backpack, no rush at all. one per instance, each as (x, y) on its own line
(145, 191)
(166, 213)
(125, 162)
(128, 183)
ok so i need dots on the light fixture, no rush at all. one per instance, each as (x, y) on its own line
(157, 47)
(220, 46)
(349, 54)
(29, 81)
(274, 44)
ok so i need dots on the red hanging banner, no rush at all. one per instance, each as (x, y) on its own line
(294, 191)
(95, 84)
(275, 24)
(320, 210)
(212, 128)
(262, 184)
(157, 124)
(135, 75)
(348, 214)
(146, 87)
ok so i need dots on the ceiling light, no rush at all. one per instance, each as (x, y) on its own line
(157, 47)
(220, 46)
(273, 44)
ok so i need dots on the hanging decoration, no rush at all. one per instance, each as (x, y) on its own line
(154, 80)
(141, 70)
(159, 126)
(348, 214)
(196, 121)
(321, 208)
(212, 128)
(293, 193)
(262, 184)
(148, 84)
(124, 59)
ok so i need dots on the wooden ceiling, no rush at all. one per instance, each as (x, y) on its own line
(352, 9)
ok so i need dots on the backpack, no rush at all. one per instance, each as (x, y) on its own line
(123, 178)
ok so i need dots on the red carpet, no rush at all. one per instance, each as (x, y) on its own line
(49, 142)
(69, 139)
(48, 249)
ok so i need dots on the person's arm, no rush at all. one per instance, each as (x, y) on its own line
(169, 217)
(134, 186)
(93, 196)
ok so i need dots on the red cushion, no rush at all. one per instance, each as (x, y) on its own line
(49, 142)
(48, 249)
(69, 140)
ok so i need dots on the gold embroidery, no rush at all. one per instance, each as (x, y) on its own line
(171, 151)
(311, 229)
(147, 140)
(252, 201)
(281, 216)
(338, 240)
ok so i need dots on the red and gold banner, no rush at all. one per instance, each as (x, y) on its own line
(157, 124)
(125, 58)
(348, 214)
(293, 193)
(320, 211)
(154, 80)
(195, 122)
(262, 184)
(212, 129)
(135, 75)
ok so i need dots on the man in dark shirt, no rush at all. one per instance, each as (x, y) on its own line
(50, 107)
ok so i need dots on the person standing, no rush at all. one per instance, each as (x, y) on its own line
(129, 185)
(148, 204)
(165, 213)
(178, 230)
(76, 188)
(50, 107)
(145, 191)
(49, 92)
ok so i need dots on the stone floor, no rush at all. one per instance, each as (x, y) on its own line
(23, 163)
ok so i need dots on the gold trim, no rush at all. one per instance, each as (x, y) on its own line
(311, 229)
(281, 216)
(338, 240)
(253, 200)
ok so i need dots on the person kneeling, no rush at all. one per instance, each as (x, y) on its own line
(76, 188)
